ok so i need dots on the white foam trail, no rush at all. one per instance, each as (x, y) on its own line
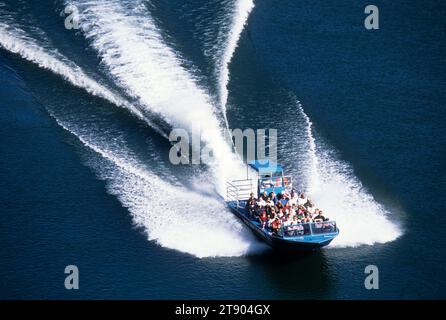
(16, 41)
(172, 215)
(239, 19)
(178, 219)
(312, 176)
(338, 192)
(131, 47)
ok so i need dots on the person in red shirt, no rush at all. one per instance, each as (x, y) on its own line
(263, 219)
(276, 225)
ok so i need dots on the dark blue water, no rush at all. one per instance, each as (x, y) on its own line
(376, 97)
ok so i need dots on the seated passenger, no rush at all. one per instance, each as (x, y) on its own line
(275, 225)
(263, 219)
(280, 214)
(269, 209)
(316, 213)
(285, 194)
(310, 207)
(264, 196)
(308, 218)
(251, 208)
(273, 197)
(320, 217)
(302, 199)
(270, 202)
(284, 198)
(272, 215)
(292, 212)
(300, 215)
(293, 198)
(309, 203)
(261, 203)
(295, 221)
(272, 218)
(251, 204)
(251, 197)
(285, 220)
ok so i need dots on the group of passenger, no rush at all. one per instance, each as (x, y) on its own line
(287, 210)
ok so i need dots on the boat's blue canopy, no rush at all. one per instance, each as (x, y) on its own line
(265, 166)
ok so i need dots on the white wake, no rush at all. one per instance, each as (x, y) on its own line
(173, 216)
(335, 189)
(17, 41)
(239, 19)
(138, 59)
(177, 220)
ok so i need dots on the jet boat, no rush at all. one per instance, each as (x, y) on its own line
(268, 177)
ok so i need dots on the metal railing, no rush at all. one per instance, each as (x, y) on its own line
(238, 190)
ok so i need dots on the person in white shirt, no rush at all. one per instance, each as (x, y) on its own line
(270, 202)
(293, 198)
(292, 211)
(286, 221)
(311, 208)
(302, 199)
(285, 194)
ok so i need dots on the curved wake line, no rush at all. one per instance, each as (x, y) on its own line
(164, 218)
(131, 47)
(16, 41)
(313, 177)
(336, 190)
(332, 183)
(239, 20)
(134, 186)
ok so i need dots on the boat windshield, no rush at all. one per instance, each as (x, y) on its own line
(274, 184)
(271, 174)
(304, 229)
(323, 227)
